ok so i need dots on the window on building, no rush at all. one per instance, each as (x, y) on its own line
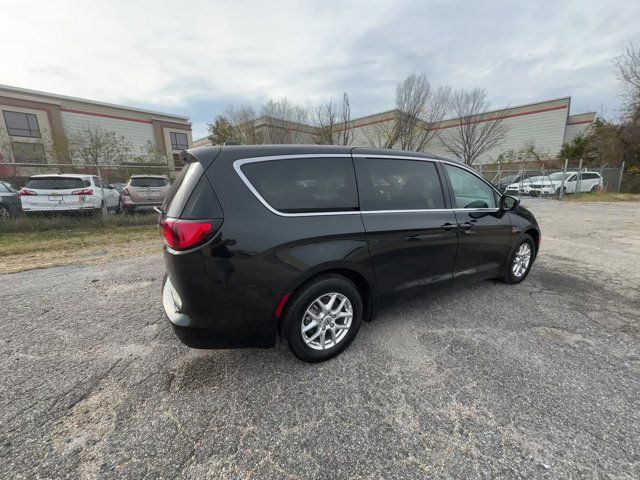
(179, 141)
(305, 184)
(387, 184)
(22, 124)
(25, 152)
(469, 190)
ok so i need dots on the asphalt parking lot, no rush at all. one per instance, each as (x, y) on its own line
(537, 380)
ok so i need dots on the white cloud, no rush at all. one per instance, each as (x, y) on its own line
(194, 57)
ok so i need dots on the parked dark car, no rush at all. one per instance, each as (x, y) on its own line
(504, 182)
(10, 206)
(308, 241)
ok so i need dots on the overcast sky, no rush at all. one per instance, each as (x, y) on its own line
(194, 58)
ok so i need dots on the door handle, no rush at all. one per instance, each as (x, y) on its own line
(466, 227)
(449, 226)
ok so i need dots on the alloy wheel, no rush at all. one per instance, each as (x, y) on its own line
(326, 321)
(521, 260)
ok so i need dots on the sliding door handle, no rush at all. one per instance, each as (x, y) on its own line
(449, 226)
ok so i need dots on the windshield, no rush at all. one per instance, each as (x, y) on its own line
(148, 182)
(55, 183)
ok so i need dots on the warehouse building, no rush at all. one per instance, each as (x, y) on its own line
(35, 128)
(546, 125)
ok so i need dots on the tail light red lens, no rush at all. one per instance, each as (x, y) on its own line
(84, 191)
(126, 192)
(185, 234)
(25, 192)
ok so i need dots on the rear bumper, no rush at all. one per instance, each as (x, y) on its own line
(209, 333)
(59, 208)
(127, 202)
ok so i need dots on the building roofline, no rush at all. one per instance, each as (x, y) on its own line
(488, 112)
(513, 107)
(92, 102)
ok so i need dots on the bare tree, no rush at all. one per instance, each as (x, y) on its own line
(419, 108)
(475, 132)
(334, 127)
(243, 119)
(95, 146)
(285, 122)
(325, 121)
(628, 72)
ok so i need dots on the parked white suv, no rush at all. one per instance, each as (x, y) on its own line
(574, 182)
(523, 186)
(68, 192)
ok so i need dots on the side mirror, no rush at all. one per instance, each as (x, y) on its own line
(507, 202)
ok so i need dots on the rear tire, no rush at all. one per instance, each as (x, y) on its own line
(326, 307)
(520, 261)
(595, 188)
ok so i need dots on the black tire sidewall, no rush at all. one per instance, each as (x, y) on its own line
(297, 306)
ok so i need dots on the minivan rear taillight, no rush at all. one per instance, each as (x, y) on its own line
(125, 192)
(184, 234)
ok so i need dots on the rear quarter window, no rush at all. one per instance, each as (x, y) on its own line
(303, 185)
(55, 183)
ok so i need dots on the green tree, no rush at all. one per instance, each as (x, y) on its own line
(222, 132)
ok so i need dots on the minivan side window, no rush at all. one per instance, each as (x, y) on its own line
(469, 190)
(392, 184)
(303, 185)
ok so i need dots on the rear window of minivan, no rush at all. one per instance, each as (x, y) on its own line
(305, 184)
(56, 183)
(148, 182)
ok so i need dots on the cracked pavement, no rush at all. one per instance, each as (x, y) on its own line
(493, 381)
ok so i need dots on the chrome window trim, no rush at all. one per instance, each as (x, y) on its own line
(399, 157)
(237, 164)
(433, 210)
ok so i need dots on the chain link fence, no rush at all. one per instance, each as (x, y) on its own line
(34, 196)
(572, 178)
(64, 196)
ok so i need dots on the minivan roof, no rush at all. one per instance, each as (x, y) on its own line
(234, 152)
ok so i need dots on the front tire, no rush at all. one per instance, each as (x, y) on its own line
(520, 261)
(322, 318)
